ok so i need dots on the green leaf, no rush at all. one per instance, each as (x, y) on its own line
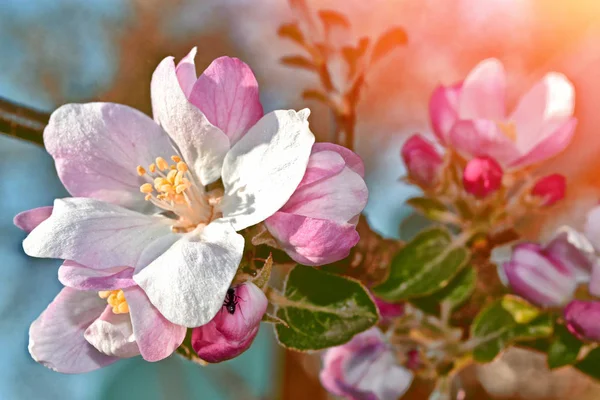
(322, 310)
(298, 62)
(459, 290)
(521, 311)
(387, 42)
(431, 208)
(424, 266)
(564, 348)
(495, 327)
(590, 365)
(271, 319)
(264, 273)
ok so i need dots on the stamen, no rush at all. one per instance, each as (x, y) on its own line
(161, 163)
(152, 168)
(146, 188)
(140, 170)
(171, 175)
(181, 166)
(115, 299)
(176, 159)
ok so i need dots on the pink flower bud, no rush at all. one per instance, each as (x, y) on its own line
(482, 176)
(551, 188)
(389, 310)
(538, 277)
(422, 161)
(235, 326)
(582, 318)
(364, 368)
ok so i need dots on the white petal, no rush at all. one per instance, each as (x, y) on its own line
(202, 145)
(263, 169)
(188, 283)
(98, 234)
(112, 334)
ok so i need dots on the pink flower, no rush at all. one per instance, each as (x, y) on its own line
(482, 176)
(582, 318)
(550, 188)
(389, 310)
(179, 237)
(539, 276)
(422, 161)
(101, 316)
(471, 117)
(364, 368)
(233, 329)
(317, 225)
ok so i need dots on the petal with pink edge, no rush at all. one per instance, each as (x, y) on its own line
(480, 137)
(186, 72)
(28, 220)
(353, 160)
(483, 93)
(592, 227)
(339, 198)
(312, 241)
(201, 144)
(56, 338)
(263, 169)
(227, 93)
(157, 338)
(552, 145)
(543, 110)
(97, 234)
(112, 334)
(98, 146)
(188, 282)
(80, 277)
(443, 110)
(322, 165)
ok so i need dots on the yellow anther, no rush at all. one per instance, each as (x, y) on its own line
(140, 170)
(158, 182)
(181, 166)
(172, 166)
(115, 299)
(176, 159)
(180, 188)
(123, 308)
(112, 299)
(104, 294)
(166, 188)
(161, 163)
(152, 168)
(146, 188)
(178, 178)
(147, 197)
(171, 176)
(121, 296)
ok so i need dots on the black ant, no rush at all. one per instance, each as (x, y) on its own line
(231, 301)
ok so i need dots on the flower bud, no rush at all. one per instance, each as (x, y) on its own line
(389, 310)
(235, 326)
(422, 161)
(550, 188)
(538, 277)
(482, 176)
(582, 318)
(364, 368)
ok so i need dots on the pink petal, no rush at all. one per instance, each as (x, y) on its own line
(80, 277)
(483, 92)
(322, 165)
(156, 337)
(542, 110)
(112, 334)
(480, 137)
(56, 338)
(28, 220)
(353, 160)
(186, 72)
(312, 241)
(594, 286)
(443, 110)
(99, 235)
(227, 93)
(553, 144)
(98, 146)
(338, 198)
(592, 227)
(202, 145)
(582, 318)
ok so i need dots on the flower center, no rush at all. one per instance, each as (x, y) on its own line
(172, 187)
(508, 128)
(116, 299)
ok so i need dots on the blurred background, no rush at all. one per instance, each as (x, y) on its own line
(60, 51)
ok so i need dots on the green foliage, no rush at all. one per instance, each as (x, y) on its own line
(505, 321)
(589, 364)
(322, 310)
(457, 292)
(564, 348)
(425, 265)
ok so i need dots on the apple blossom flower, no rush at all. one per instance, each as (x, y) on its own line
(364, 368)
(582, 318)
(482, 176)
(318, 223)
(471, 117)
(99, 317)
(550, 189)
(389, 310)
(233, 329)
(422, 161)
(538, 276)
(179, 235)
